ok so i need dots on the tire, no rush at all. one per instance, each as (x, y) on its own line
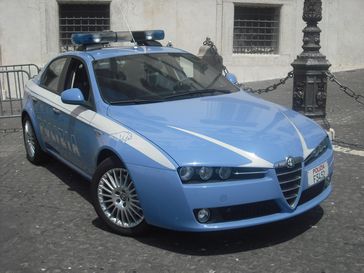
(34, 152)
(115, 198)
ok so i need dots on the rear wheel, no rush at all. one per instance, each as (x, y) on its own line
(34, 152)
(115, 198)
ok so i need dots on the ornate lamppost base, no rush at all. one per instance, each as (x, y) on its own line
(310, 86)
(310, 67)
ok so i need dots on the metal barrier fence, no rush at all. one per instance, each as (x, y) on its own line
(31, 69)
(12, 84)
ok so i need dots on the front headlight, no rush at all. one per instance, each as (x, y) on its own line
(319, 150)
(205, 173)
(202, 174)
(186, 173)
(224, 173)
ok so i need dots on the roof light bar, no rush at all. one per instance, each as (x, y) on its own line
(116, 36)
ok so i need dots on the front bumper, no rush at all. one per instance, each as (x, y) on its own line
(168, 203)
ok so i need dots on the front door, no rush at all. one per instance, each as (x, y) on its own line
(80, 145)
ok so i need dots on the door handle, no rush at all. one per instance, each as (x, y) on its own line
(98, 132)
(56, 111)
(35, 100)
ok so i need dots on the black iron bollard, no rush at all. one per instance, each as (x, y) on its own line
(310, 67)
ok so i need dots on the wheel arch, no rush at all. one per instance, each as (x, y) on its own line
(107, 152)
(24, 114)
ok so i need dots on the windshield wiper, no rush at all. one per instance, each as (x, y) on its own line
(182, 94)
(197, 92)
(135, 101)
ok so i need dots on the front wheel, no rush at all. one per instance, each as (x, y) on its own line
(115, 198)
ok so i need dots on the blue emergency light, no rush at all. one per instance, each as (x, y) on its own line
(106, 37)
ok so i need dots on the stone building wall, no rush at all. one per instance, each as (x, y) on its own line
(29, 30)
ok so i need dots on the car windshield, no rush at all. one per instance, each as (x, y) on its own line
(147, 78)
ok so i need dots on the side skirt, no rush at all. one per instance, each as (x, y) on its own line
(73, 167)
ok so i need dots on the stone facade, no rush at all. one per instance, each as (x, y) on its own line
(29, 30)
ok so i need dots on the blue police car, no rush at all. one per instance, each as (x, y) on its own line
(167, 140)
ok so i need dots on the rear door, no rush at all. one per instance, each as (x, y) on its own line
(64, 127)
(45, 99)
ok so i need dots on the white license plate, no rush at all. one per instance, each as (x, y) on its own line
(318, 174)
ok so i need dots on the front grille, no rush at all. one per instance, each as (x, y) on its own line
(241, 212)
(290, 181)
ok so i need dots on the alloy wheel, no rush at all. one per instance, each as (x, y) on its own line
(118, 198)
(29, 138)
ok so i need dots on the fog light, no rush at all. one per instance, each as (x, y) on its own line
(203, 215)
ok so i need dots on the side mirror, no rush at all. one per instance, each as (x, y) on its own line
(73, 96)
(231, 78)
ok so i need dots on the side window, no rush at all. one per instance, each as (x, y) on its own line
(77, 77)
(187, 67)
(52, 75)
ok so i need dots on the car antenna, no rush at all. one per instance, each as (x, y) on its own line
(127, 25)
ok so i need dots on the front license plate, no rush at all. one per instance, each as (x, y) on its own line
(318, 174)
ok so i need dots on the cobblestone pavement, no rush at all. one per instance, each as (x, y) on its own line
(47, 223)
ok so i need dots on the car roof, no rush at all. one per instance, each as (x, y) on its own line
(110, 52)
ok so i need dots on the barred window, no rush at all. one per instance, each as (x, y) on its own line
(256, 30)
(81, 18)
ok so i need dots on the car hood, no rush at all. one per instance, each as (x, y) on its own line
(226, 130)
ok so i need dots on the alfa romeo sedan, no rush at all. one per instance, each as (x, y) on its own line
(167, 140)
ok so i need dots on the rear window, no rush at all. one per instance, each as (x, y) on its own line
(52, 75)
